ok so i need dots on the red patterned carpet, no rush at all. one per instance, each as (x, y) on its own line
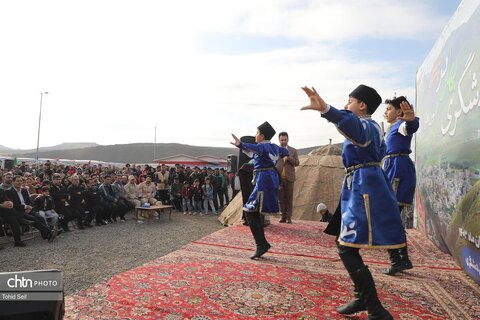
(300, 278)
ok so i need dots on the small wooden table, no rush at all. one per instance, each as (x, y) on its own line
(148, 212)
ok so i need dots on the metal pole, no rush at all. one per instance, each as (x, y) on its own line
(40, 120)
(155, 145)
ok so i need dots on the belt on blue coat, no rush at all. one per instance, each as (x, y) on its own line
(350, 170)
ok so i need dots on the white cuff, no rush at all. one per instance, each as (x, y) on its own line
(326, 110)
(402, 129)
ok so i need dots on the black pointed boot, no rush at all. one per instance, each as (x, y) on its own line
(406, 260)
(354, 306)
(366, 287)
(256, 227)
(399, 261)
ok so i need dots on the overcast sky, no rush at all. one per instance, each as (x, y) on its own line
(200, 70)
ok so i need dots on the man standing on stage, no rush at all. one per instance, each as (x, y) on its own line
(286, 170)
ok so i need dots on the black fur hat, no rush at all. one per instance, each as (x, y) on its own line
(368, 95)
(267, 130)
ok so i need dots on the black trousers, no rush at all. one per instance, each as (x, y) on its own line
(162, 195)
(215, 199)
(68, 215)
(118, 209)
(96, 212)
(79, 213)
(111, 209)
(223, 196)
(177, 203)
(255, 222)
(351, 258)
(363, 282)
(38, 222)
(9, 216)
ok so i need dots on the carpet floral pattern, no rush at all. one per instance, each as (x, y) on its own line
(301, 278)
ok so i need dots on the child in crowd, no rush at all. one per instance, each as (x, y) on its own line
(187, 194)
(43, 204)
(208, 196)
(197, 197)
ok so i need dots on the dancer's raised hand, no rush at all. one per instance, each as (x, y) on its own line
(316, 102)
(408, 113)
(237, 141)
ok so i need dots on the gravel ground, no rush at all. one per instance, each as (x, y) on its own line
(92, 255)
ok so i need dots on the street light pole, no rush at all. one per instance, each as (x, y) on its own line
(155, 145)
(40, 120)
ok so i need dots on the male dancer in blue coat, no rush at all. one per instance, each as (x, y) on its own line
(264, 197)
(370, 217)
(399, 167)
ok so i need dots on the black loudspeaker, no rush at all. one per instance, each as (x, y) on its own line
(9, 164)
(242, 157)
(27, 295)
(232, 163)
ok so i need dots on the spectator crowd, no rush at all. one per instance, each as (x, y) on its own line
(49, 197)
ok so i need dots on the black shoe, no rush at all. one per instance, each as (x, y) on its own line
(20, 244)
(354, 306)
(260, 251)
(51, 236)
(66, 229)
(363, 280)
(103, 223)
(282, 220)
(88, 225)
(380, 314)
(289, 220)
(398, 267)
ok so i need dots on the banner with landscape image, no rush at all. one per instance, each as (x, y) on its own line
(448, 141)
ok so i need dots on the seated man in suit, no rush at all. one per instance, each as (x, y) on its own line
(9, 216)
(113, 207)
(21, 204)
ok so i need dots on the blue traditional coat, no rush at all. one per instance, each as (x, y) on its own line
(264, 197)
(370, 215)
(397, 163)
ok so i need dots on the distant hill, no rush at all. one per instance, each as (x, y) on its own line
(132, 153)
(63, 146)
(3, 148)
(129, 153)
